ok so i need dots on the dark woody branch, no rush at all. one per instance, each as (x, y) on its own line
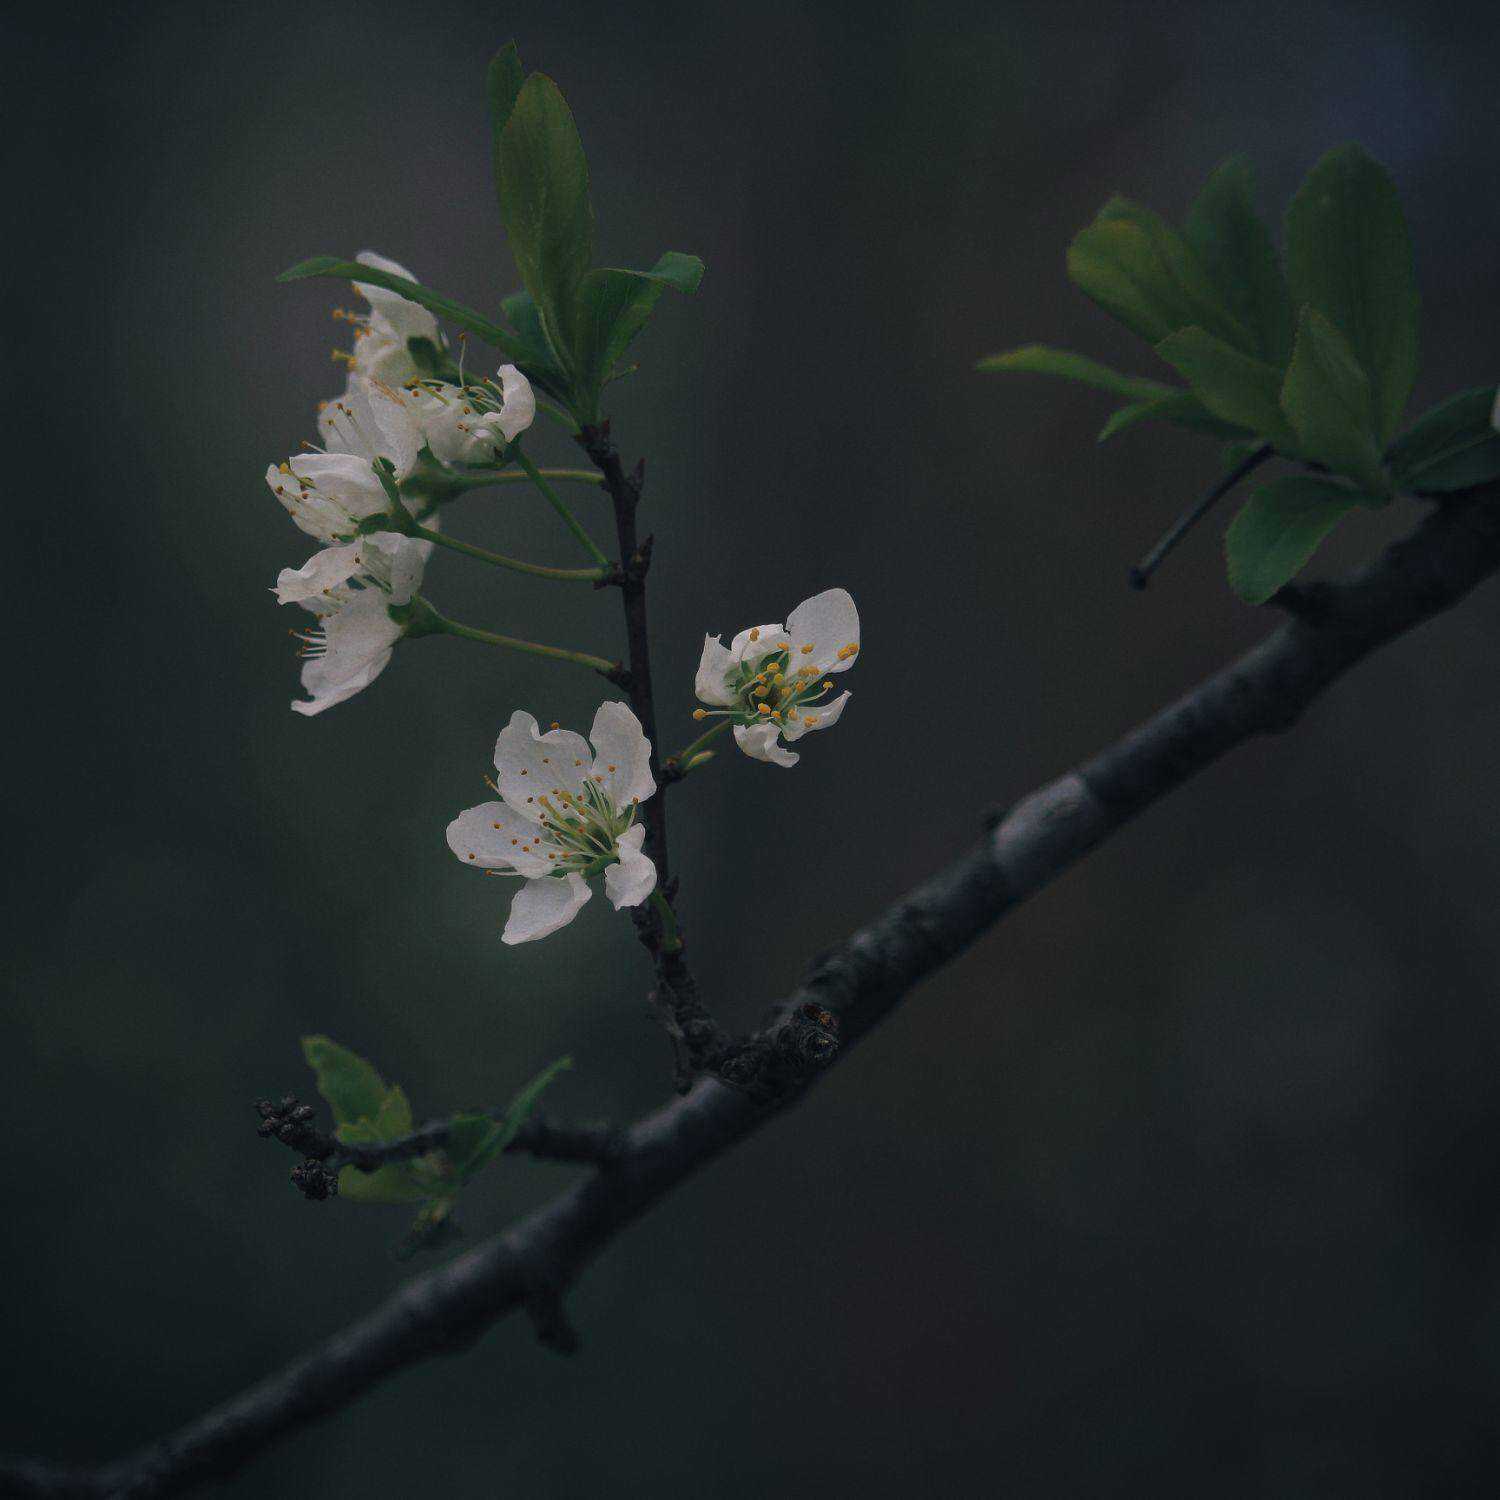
(532, 1264)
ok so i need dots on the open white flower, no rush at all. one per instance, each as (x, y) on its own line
(567, 812)
(771, 683)
(350, 589)
(470, 424)
(329, 494)
(380, 348)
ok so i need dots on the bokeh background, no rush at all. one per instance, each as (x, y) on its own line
(1186, 1180)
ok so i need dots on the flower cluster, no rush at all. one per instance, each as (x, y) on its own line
(388, 413)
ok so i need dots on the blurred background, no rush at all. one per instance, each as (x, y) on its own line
(1184, 1180)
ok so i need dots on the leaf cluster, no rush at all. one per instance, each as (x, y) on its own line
(1311, 349)
(569, 326)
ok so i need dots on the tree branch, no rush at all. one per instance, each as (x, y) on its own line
(1264, 692)
(697, 1039)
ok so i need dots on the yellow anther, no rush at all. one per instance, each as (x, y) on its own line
(755, 634)
(810, 720)
(791, 713)
(845, 652)
(828, 682)
(764, 708)
(806, 650)
(700, 713)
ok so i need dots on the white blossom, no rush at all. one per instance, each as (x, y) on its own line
(350, 590)
(771, 682)
(329, 494)
(566, 812)
(470, 424)
(380, 349)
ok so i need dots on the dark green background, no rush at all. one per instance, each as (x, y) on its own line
(1184, 1182)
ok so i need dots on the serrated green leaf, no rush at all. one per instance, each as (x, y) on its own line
(1452, 446)
(475, 1139)
(1327, 399)
(1279, 528)
(1348, 254)
(542, 180)
(353, 1088)
(1236, 249)
(503, 81)
(1237, 389)
(613, 306)
(1041, 359)
(1141, 271)
(352, 270)
(1179, 408)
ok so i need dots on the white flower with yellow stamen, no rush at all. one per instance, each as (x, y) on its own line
(351, 589)
(567, 812)
(329, 494)
(380, 336)
(470, 424)
(771, 683)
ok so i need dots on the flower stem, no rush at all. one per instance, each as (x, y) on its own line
(671, 933)
(684, 757)
(532, 648)
(479, 479)
(499, 560)
(555, 501)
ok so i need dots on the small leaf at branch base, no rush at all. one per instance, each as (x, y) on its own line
(1040, 359)
(1234, 387)
(1452, 446)
(1279, 528)
(613, 306)
(1326, 397)
(475, 1140)
(353, 1087)
(1236, 249)
(352, 270)
(1348, 254)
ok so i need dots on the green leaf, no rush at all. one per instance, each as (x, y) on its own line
(1180, 408)
(1141, 271)
(397, 1182)
(502, 85)
(1279, 528)
(543, 183)
(1237, 389)
(614, 304)
(475, 1140)
(353, 1088)
(1040, 359)
(1348, 254)
(1236, 249)
(1453, 446)
(352, 270)
(1327, 399)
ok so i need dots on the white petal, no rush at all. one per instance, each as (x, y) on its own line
(759, 742)
(391, 311)
(533, 765)
(714, 667)
(399, 438)
(314, 512)
(358, 638)
(455, 431)
(634, 878)
(542, 906)
(405, 559)
(814, 716)
(828, 622)
(760, 640)
(493, 836)
(321, 573)
(622, 755)
(517, 403)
